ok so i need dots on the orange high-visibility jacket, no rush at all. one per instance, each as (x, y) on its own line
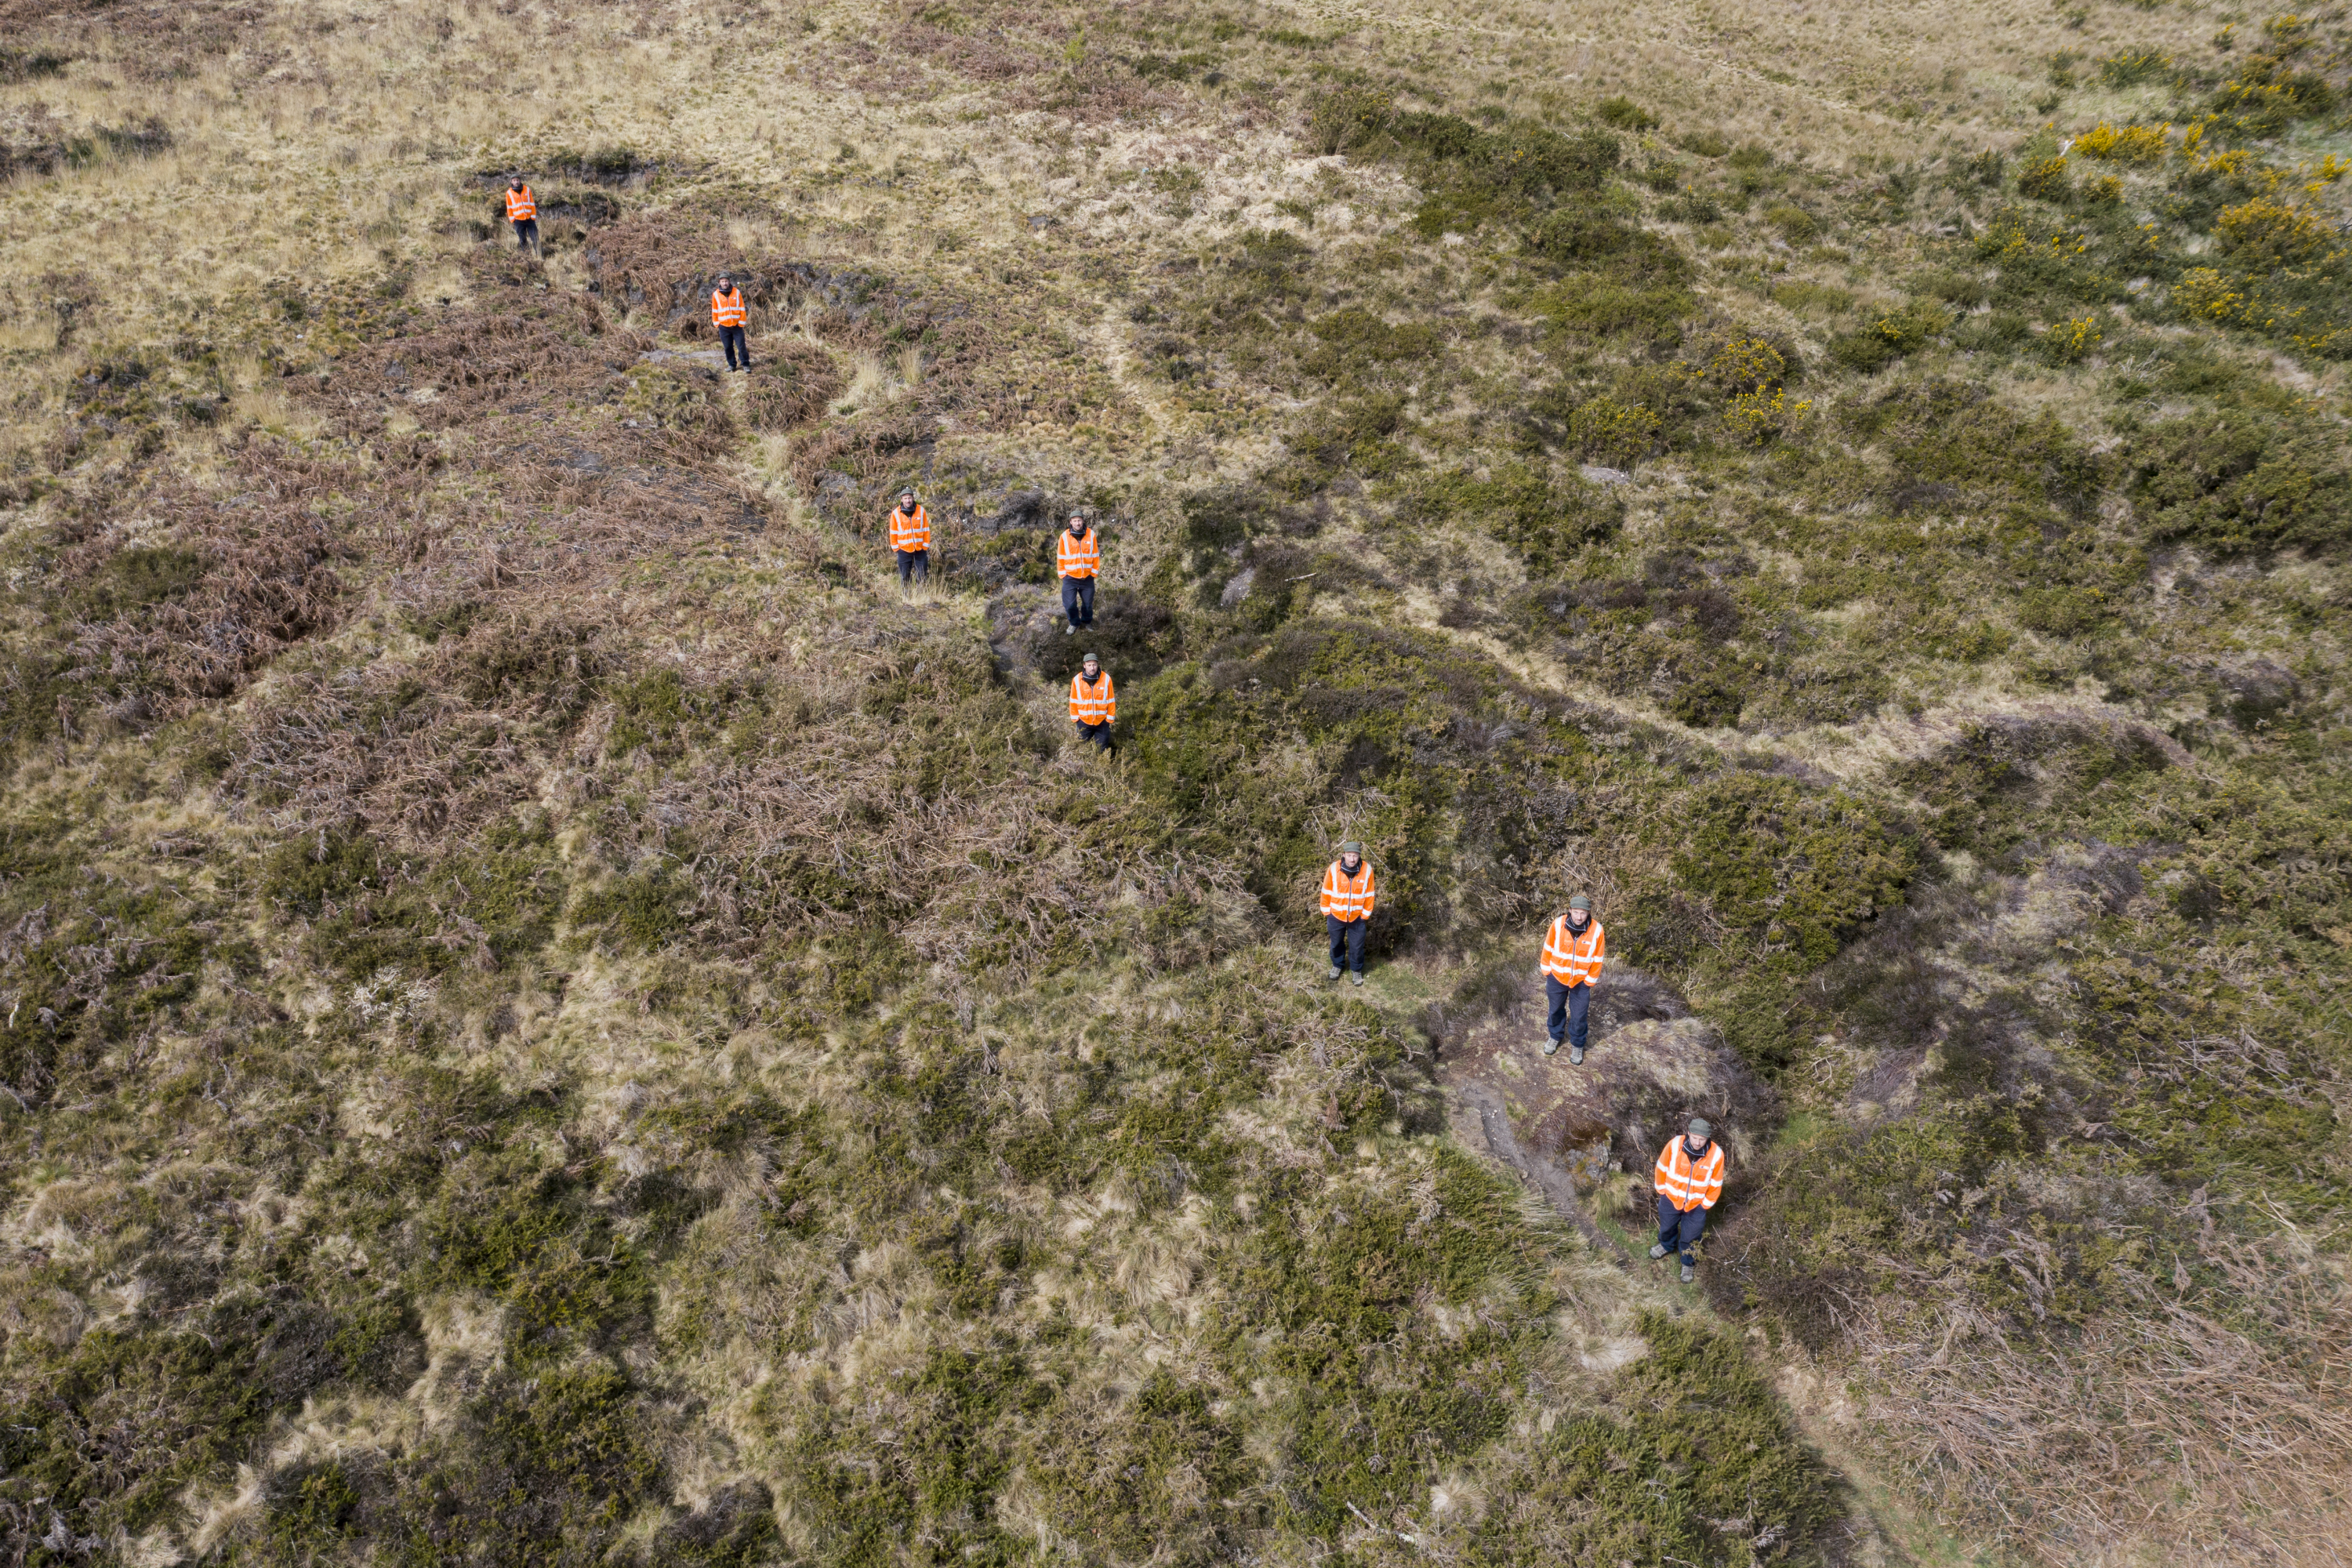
(1349, 898)
(519, 206)
(727, 310)
(1571, 958)
(1079, 557)
(1096, 704)
(911, 531)
(1689, 1184)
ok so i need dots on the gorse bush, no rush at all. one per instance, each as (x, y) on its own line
(2129, 67)
(2263, 232)
(1613, 432)
(2123, 143)
(1893, 336)
(2045, 180)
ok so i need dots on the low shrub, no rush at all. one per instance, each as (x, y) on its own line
(2263, 234)
(1623, 113)
(2068, 343)
(2129, 67)
(2123, 143)
(2233, 481)
(1892, 336)
(2045, 180)
(1613, 432)
(1796, 874)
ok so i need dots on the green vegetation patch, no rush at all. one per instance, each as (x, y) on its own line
(1693, 1461)
(371, 908)
(2233, 482)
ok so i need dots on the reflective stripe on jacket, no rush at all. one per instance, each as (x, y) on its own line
(1687, 1188)
(1093, 704)
(1349, 898)
(727, 310)
(1571, 958)
(1079, 557)
(519, 206)
(911, 532)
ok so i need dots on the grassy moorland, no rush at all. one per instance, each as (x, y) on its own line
(550, 1018)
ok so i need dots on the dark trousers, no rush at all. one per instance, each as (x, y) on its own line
(1094, 734)
(1078, 600)
(1679, 1229)
(1346, 942)
(527, 234)
(914, 563)
(732, 339)
(1568, 1004)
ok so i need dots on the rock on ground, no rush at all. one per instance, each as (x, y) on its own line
(1564, 1128)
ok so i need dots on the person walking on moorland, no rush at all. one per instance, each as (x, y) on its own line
(1078, 557)
(1094, 706)
(727, 314)
(523, 213)
(1572, 963)
(1689, 1179)
(910, 540)
(1348, 908)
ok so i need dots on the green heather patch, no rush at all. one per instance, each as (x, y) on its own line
(2233, 482)
(1795, 873)
(1691, 1460)
(1547, 520)
(370, 908)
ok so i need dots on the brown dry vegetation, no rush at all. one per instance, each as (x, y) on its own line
(551, 1017)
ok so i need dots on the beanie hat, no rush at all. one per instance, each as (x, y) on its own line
(1580, 902)
(1351, 848)
(1700, 1129)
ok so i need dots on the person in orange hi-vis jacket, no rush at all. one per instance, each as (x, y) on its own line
(1094, 705)
(523, 213)
(910, 540)
(1689, 1179)
(1077, 556)
(728, 314)
(1348, 908)
(1572, 963)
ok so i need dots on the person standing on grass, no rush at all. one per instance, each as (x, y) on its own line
(1572, 963)
(727, 314)
(1689, 1179)
(1094, 706)
(523, 213)
(1078, 557)
(910, 539)
(1348, 908)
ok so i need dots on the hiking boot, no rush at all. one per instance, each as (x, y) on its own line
(1576, 1056)
(1357, 977)
(1689, 1274)
(1551, 1048)
(1070, 628)
(1657, 1252)
(1335, 972)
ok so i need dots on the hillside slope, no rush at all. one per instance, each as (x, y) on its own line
(552, 1015)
